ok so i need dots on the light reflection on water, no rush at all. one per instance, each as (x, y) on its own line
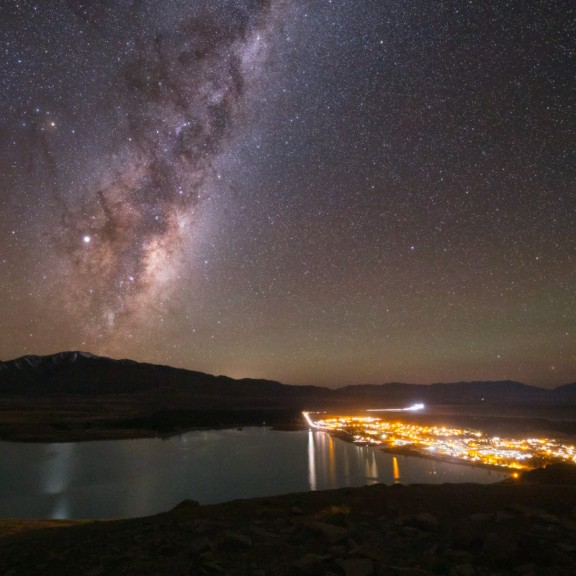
(57, 475)
(140, 477)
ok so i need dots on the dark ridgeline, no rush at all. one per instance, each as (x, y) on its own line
(81, 373)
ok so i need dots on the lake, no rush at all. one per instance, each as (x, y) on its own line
(127, 478)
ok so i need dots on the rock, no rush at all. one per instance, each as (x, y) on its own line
(463, 570)
(167, 549)
(311, 563)
(337, 551)
(203, 525)
(565, 547)
(569, 525)
(330, 534)
(214, 567)
(199, 546)
(423, 521)
(481, 517)
(525, 511)
(499, 548)
(401, 571)
(411, 532)
(458, 557)
(263, 533)
(283, 525)
(560, 558)
(502, 516)
(236, 540)
(546, 518)
(357, 566)
(371, 552)
(468, 537)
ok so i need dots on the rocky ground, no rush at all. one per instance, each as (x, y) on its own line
(524, 529)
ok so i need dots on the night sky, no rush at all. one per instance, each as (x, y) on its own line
(318, 192)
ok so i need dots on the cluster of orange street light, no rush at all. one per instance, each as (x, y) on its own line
(455, 444)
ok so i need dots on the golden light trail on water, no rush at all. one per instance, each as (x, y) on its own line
(395, 470)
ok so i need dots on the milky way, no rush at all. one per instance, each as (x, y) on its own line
(317, 192)
(180, 91)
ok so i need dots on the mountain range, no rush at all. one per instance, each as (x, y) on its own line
(83, 374)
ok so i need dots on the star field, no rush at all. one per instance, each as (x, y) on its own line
(326, 192)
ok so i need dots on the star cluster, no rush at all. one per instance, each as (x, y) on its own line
(324, 192)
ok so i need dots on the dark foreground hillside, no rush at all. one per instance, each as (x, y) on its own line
(524, 529)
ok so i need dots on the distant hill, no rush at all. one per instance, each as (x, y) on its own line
(505, 391)
(83, 374)
(568, 391)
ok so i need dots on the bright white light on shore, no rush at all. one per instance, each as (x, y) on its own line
(311, 422)
(413, 408)
(87, 239)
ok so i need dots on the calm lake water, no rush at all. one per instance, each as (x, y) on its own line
(111, 479)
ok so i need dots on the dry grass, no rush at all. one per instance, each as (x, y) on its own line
(10, 527)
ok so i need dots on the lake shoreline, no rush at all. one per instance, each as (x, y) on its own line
(42, 425)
